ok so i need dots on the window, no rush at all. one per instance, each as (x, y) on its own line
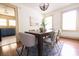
(12, 22)
(3, 22)
(69, 20)
(7, 13)
(48, 22)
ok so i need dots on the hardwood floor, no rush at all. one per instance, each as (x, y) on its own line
(70, 48)
(9, 50)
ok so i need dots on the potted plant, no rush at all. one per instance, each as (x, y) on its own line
(43, 25)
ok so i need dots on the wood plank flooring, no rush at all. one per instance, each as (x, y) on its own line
(9, 50)
(70, 48)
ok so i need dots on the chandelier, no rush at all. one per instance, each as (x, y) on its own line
(44, 6)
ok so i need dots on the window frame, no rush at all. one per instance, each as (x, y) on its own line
(7, 18)
(62, 19)
(2, 26)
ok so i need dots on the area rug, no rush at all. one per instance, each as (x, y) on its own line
(46, 51)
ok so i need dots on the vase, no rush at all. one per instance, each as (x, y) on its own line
(42, 29)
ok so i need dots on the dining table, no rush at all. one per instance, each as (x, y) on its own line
(39, 36)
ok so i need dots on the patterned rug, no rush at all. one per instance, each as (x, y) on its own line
(46, 50)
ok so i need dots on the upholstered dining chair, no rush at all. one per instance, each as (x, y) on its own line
(52, 40)
(27, 40)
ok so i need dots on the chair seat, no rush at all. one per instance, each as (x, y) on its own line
(27, 40)
(48, 41)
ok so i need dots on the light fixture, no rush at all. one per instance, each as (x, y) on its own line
(44, 6)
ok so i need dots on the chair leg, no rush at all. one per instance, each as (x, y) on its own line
(17, 52)
(22, 50)
(27, 48)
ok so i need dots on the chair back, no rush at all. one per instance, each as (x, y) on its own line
(26, 39)
(55, 37)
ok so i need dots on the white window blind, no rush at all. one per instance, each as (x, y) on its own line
(69, 20)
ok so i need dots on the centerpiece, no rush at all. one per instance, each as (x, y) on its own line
(43, 25)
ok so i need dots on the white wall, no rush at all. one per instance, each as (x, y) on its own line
(24, 14)
(57, 21)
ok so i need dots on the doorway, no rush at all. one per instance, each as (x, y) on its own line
(8, 24)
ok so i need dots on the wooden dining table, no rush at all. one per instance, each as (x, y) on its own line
(39, 36)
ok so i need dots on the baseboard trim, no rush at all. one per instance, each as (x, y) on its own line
(66, 37)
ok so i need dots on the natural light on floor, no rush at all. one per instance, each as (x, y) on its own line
(68, 50)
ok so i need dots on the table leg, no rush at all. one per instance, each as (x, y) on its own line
(40, 45)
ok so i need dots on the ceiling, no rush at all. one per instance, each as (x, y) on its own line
(52, 6)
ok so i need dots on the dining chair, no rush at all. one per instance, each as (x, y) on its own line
(27, 40)
(53, 40)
